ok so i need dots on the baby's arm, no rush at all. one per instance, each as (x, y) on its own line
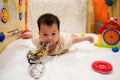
(26, 35)
(30, 35)
(76, 39)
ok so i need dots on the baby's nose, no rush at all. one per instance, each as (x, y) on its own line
(49, 38)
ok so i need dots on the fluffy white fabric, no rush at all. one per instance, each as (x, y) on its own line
(74, 65)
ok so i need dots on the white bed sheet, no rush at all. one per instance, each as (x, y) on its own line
(74, 65)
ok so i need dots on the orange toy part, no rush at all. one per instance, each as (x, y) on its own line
(111, 37)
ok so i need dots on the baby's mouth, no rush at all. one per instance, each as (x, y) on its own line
(53, 43)
(50, 44)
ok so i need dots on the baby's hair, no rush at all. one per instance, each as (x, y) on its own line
(48, 19)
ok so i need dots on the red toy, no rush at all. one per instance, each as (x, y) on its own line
(24, 31)
(102, 66)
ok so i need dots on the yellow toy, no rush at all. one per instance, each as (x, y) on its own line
(5, 15)
(34, 57)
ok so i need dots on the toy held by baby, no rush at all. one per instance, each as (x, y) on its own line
(37, 67)
(34, 57)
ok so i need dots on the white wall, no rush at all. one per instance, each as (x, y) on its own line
(72, 13)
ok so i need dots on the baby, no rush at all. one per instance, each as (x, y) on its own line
(49, 31)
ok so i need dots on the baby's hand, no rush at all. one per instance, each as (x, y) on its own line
(90, 39)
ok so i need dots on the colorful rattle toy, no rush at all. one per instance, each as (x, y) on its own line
(34, 58)
(109, 35)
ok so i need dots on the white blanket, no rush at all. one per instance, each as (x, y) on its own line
(74, 65)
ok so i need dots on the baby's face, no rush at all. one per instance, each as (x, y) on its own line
(49, 33)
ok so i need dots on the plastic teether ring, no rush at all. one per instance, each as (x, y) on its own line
(102, 67)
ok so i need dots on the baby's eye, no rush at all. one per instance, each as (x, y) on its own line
(45, 34)
(53, 34)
